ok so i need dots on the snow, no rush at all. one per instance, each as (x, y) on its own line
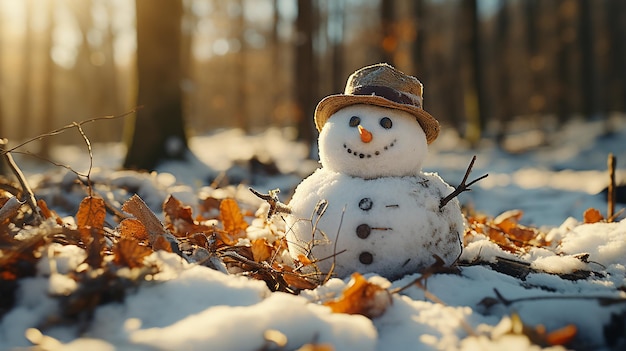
(192, 307)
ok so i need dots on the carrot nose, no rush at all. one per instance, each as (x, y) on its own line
(366, 135)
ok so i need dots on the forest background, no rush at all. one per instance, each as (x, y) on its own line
(490, 67)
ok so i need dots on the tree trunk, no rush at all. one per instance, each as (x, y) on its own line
(503, 51)
(389, 42)
(337, 10)
(159, 132)
(588, 72)
(48, 84)
(26, 91)
(305, 75)
(3, 168)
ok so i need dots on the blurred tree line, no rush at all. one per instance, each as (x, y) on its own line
(487, 65)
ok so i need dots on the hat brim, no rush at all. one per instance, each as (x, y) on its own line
(333, 103)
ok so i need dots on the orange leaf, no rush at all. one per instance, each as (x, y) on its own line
(128, 253)
(161, 243)
(47, 213)
(90, 221)
(508, 219)
(261, 250)
(562, 336)
(304, 260)
(132, 228)
(175, 209)
(592, 215)
(91, 213)
(293, 279)
(232, 218)
(316, 347)
(138, 208)
(522, 233)
(361, 297)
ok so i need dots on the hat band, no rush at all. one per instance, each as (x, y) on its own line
(385, 92)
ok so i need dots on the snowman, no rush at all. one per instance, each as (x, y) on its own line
(370, 208)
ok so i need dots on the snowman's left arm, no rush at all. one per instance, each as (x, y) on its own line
(462, 187)
(272, 199)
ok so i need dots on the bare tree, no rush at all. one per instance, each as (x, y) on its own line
(2, 131)
(389, 40)
(305, 72)
(158, 133)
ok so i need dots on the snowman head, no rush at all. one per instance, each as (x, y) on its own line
(384, 86)
(370, 141)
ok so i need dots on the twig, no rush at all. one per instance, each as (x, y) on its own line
(88, 143)
(462, 187)
(69, 126)
(603, 300)
(611, 163)
(28, 192)
(10, 208)
(272, 199)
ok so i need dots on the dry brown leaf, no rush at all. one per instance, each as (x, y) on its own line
(316, 347)
(210, 204)
(136, 207)
(361, 297)
(161, 243)
(90, 221)
(128, 253)
(175, 209)
(132, 228)
(592, 215)
(304, 260)
(508, 219)
(499, 237)
(562, 336)
(91, 213)
(47, 213)
(261, 250)
(232, 219)
(522, 233)
(293, 279)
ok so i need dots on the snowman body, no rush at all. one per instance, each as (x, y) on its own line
(369, 208)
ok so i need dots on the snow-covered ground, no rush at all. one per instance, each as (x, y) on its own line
(478, 307)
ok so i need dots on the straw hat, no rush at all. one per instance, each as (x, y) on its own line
(380, 85)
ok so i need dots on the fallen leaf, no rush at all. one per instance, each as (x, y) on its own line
(91, 213)
(591, 215)
(127, 252)
(562, 336)
(132, 228)
(232, 219)
(293, 279)
(508, 219)
(175, 209)
(304, 260)
(158, 237)
(161, 243)
(90, 222)
(261, 250)
(361, 297)
(316, 347)
(47, 213)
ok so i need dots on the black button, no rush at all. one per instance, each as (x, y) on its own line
(363, 231)
(366, 204)
(366, 258)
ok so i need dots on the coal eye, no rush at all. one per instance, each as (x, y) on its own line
(385, 122)
(355, 121)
